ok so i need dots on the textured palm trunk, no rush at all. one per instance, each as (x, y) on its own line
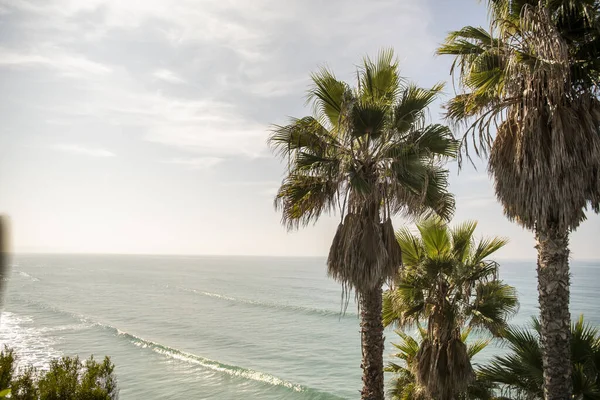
(555, 318)
(371, 331)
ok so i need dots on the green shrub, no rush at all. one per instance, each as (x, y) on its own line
(24, 386)
(7, 369)
(67, 379)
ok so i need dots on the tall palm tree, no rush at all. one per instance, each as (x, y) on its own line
(369, 153)
(448, 284)
(404, 384)
(529, 98)
(519, 373)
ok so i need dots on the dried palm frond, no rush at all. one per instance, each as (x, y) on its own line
(363, 254)
(546, 156)
(443, 368)
(394, 251)
(531, 97)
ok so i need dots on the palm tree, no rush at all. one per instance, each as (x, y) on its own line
(369, 153)
(529, 99)
(404, 384)
(447, 284)
(519, 374)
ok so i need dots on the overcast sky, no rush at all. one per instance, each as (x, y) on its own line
(139, 126)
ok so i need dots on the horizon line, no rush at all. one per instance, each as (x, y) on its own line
(26, 253)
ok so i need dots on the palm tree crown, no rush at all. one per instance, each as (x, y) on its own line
(534, 79)
(448, 278)
(368, 153)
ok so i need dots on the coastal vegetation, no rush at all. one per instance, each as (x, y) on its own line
(517, 374)
(67, 378)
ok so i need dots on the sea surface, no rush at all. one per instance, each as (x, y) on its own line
(182, 327)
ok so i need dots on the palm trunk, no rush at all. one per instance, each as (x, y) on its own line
(371, 330)
(555, 318)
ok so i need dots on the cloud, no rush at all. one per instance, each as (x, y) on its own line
(187, 21)
(475, 201)
(205, 127)
(167, 76)
(83, 150)
(211, 139)
(55, 58)
(269, 87)
(196, 163)
(267, 188)
(270, 192)
(249, 183)
(478, 178)
(233, 69)
(255, 37)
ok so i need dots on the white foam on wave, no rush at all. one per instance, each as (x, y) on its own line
(32, 347)
(231, 370)
(27, 276)
(222, 297)
(294, 308)
(69, 327)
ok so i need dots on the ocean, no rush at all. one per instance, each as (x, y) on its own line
(203, 327)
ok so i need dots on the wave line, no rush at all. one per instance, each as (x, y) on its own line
(27, 276)
(208, 363)
(256, 303)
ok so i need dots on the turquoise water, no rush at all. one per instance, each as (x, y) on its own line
(213, 327)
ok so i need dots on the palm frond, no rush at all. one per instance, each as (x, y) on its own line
(379, 80)
(305, 133)
(462, 239)
(302, 199)
(494, 304)
(438, 201)
(435, 237)
(476, 33)
(486, 247)
(411, 245)
(411, 106)
(368, 118)
(435, 140)
(477, 346)
(404, 305)
(327, 96)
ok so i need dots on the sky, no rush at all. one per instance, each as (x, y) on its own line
(140, 126)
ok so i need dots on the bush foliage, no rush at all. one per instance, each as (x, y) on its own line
(68, 378)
